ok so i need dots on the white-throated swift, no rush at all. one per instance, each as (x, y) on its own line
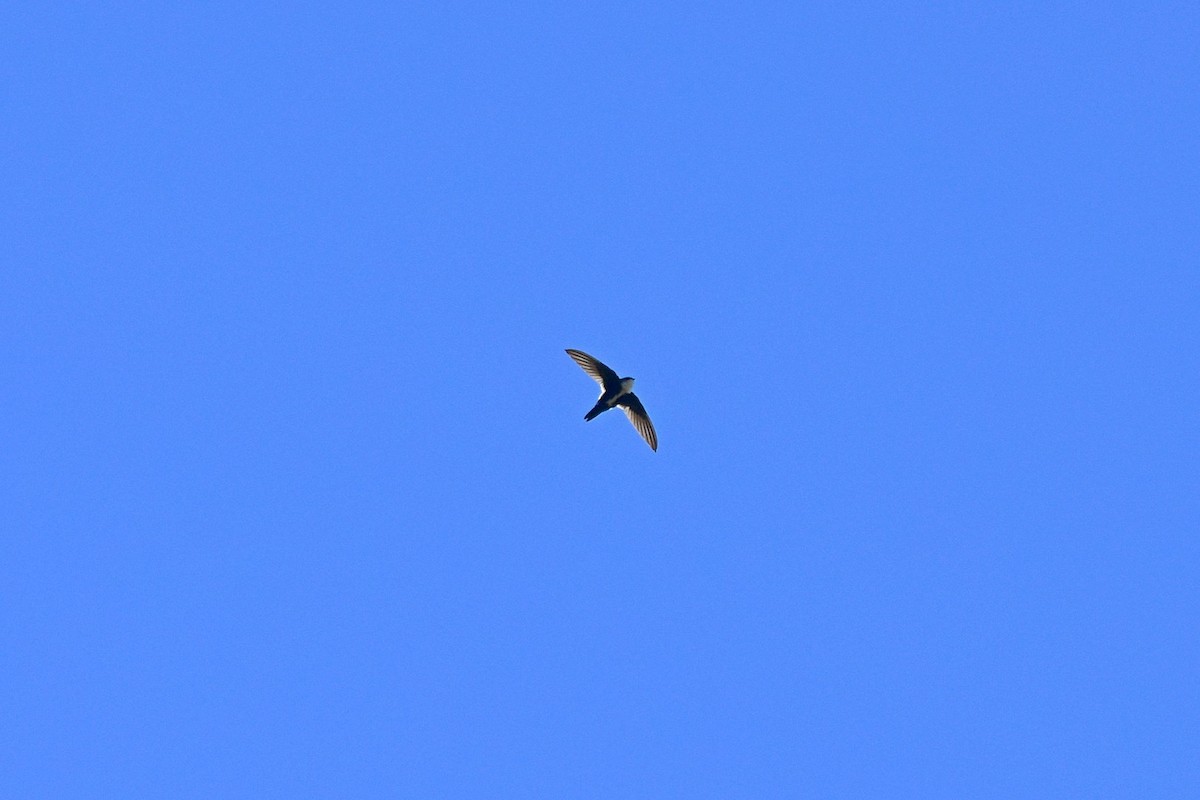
(615, 392)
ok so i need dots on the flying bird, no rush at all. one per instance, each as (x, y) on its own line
(616, 392)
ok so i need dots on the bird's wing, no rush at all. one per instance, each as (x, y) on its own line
(601, 374)
(636, 412)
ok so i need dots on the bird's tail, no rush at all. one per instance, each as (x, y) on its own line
(595, 412)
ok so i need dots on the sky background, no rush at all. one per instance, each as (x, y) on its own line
(297, 495)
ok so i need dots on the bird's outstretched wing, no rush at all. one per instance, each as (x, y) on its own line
(601, 374)
(636, 412)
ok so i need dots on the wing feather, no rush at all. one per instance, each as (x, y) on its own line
(636, 412)
(598, 371)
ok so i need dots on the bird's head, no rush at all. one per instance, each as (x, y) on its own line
(627, 383)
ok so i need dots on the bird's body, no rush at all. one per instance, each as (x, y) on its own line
(615, 392)
(609, 398)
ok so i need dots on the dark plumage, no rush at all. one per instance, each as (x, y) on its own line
(614, 392)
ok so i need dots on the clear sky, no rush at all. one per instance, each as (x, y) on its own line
(297, 495)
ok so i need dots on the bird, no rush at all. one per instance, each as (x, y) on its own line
(615, 392)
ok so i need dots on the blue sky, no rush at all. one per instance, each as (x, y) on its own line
(298, 496)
